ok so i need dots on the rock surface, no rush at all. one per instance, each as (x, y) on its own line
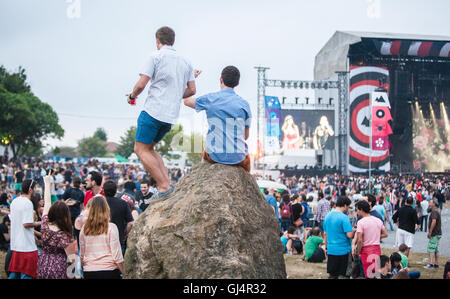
(215, 225)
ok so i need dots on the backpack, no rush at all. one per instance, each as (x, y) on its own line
(286, 211)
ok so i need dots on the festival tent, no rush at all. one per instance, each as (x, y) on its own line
(270, 185)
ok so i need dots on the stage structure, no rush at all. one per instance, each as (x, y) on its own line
(303, 132)
(414, 72)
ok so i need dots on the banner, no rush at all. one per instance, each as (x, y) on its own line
(381, 115)
(364, 80)
(273, 132)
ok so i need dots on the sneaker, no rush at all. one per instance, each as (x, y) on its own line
(159, 195)
(436, 266)
(429, 266)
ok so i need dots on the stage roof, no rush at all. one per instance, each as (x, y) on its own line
(333, 56)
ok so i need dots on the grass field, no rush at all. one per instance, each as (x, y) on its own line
(298, 269)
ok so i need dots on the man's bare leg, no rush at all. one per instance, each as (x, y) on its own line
(162, 167)
(152, 164)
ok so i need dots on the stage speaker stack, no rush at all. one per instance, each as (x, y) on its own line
(319, 158)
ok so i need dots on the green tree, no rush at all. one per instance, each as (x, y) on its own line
(126, 147)
(101, 134)
(25, 121)
(65, 151)
(92, 147)
(170, 141)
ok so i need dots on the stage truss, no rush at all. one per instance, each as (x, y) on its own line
(342, 85)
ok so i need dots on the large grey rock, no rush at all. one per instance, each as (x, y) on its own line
(216, 224)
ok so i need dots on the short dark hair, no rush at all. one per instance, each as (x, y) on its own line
(291, 230)
(110, 188)
(96, 177)
(384, 259)
(395, 257)
(409, 201)
(363, 206)
(231, 76)
(166, 35)
(76, 182)
(315, 231)
(145, 182)
(27, 185)
(372, 200)
(343, 201)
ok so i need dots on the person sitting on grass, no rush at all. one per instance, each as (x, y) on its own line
(291, 241)
(314, 253)
(229, 118)
(403, 250)
(397, 268)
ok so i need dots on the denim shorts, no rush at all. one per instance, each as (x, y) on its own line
(150, 130)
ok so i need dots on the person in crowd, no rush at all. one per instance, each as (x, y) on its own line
(338, 234)
(372, 200)
(323, 207)
(271, 200)
(297, 212)
(56, 230)
(285, 212)
(291, 241)
(400, 272)
(424, 217)
(447, 270)
(314, 253)
(120, 212)
(370, 230)
(379, 207)
(74, 197)
(5, 233)
(24, 259)
(408, 222)
(100, 249)
(94, 182)
(434, 234)
(143, 196)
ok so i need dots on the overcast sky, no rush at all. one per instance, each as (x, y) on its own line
(83, 56)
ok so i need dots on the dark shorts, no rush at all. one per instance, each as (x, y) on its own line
(150, 130)
(337, 265)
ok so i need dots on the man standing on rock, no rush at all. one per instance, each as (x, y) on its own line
(172, 79)
(229, 119)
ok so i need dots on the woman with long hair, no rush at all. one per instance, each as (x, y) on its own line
(56, 235)
(100, 250)
(291, 140)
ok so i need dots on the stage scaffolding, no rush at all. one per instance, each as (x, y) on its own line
(342, 85)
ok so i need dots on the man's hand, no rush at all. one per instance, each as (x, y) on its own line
(130, 100)
(197, 73)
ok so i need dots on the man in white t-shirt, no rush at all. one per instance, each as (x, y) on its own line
(172, 79)
(24, 258)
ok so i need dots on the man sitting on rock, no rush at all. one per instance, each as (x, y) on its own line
(229, 119)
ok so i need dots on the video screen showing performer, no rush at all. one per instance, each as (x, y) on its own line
(322, 133)
(307, 130)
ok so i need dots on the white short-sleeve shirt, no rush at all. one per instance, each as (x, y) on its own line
(169, 74)
(22, 239)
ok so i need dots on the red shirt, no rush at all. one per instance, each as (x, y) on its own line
(89, 195)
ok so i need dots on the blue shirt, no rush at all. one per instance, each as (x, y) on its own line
(381, 210)
(228, 115)
(337, 225)
(272, 201)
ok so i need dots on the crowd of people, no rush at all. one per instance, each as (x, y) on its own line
(70, 220)
(342, 220)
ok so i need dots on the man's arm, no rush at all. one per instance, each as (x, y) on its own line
(140, 86)
(384, 233)
(247, 133)
(190, 90)
(190, 102)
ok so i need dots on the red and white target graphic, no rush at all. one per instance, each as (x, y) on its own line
(363, 81)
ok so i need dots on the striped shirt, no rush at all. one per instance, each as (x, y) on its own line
(101, 252)
(169, 74)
